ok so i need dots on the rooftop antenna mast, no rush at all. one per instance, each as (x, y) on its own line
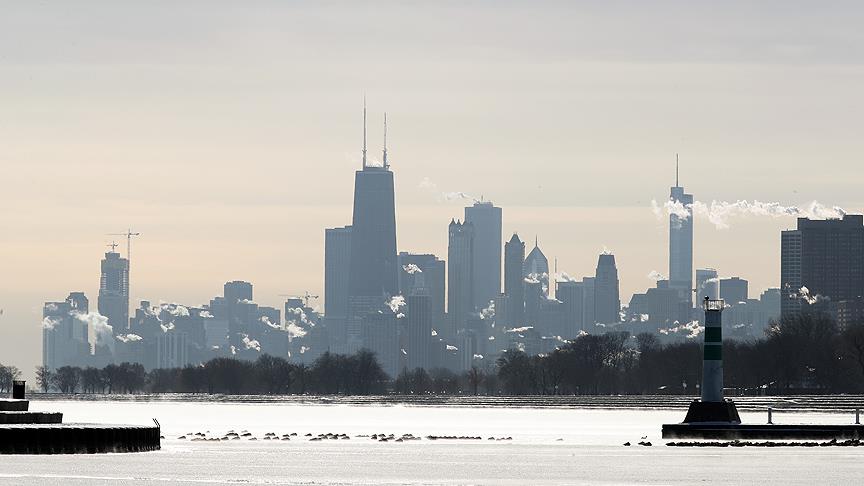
(386, 165)
(676, 169)
(364, 131)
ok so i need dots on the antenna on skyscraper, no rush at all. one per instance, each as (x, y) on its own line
(364, 131)
(676, 169)
(386, 165)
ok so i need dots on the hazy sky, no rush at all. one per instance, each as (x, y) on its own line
(228, 133)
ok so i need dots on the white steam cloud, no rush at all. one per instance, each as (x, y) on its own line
(251, 343)
(692, 329)
(411, 269)
(720, 212)
(128, 338)
(99, 324)
(395, 303)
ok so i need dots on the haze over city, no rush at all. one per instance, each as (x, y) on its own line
(228, 137)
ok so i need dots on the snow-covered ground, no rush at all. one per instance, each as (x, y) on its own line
(547, 446)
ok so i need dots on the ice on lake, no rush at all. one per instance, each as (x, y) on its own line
(547, 446)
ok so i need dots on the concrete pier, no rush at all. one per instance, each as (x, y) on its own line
(25, 432)
(77, 439)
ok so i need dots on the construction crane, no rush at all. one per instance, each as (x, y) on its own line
(128, 234)
(306, 297)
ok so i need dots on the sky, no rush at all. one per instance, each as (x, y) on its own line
(227, 133)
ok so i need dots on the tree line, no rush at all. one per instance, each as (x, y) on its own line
(805, 354)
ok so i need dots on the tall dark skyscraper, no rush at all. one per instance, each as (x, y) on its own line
(826, 257)
(486, 219)
(607, 304)
(460, 275)
(373, 264)
(113, 301)
(514, 290)
(681, 243)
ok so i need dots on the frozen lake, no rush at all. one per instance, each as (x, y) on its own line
(548, 446)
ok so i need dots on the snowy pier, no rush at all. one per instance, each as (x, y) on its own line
(25, 432)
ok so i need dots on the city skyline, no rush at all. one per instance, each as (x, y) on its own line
(220, 201)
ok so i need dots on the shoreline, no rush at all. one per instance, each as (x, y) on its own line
(797, 403)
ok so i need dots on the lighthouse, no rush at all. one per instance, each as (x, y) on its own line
(712, 407)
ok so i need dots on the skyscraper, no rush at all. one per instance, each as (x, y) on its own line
(65, 338)
(733, 290)
(607, 304)
(419, 319)
(460, 275)
(486, 219)
(681, 242)
(113, 301)
(588, 303)
(337, 257)
(826, 257)
(514, 260)
(537, 267)
(238, 296)
(570, 293)
(373, 266)
(707, 284)
(429, 273)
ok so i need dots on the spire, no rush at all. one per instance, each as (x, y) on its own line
(676, 170)
(386, 165)
(536, 241)
(364, 131)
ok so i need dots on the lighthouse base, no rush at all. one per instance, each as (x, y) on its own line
(712, 412)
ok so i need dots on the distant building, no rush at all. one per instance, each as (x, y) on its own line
(514, 260)
(749, 318)
(659, 307)
(418, 315)
(65, 337)
(433, 271)
(238, 297)
(536, 266)
(486, 252)
(337, 257)
(824, 256)
(373, 268)
(707, 284)
(570, 293)
(460, 276)
(534, 297)
(734, 290)
(113, 301)
(849, 312)
(380, 335)
(588, 303)
(172, 350)
(607, 304)
(681, 243)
